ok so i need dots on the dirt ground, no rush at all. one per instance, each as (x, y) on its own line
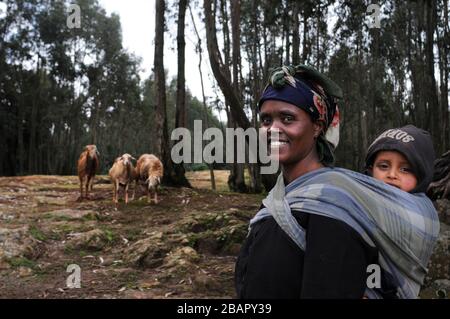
(183, 247)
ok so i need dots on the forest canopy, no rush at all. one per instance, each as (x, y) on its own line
(62, 88)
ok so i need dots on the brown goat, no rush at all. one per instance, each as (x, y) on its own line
(149, 169)
(122, 173)
(87, 167)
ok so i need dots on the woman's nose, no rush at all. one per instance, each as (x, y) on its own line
(273, 132)
(274, 127)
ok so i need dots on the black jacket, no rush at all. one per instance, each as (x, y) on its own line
(271, 265)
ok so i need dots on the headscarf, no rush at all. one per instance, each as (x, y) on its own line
(314, 93)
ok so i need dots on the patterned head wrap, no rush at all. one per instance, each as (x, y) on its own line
(314, 93)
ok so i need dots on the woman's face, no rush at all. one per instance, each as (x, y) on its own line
(295, 128)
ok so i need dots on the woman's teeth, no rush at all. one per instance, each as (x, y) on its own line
(277, 143)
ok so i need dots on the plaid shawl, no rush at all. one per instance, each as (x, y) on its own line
(404, 227)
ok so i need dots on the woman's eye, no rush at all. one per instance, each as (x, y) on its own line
(265, 121)
(288, 118)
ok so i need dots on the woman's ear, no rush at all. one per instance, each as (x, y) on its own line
(319, 127)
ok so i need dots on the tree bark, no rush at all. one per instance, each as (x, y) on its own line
(296, 34)
(306, 48)
(160, 80)
(200, 53)
(180, 113)
(219, 70)
(445, 130)
(161, 132)
(433, 104)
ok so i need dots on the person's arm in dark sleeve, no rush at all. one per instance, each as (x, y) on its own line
(335, 262)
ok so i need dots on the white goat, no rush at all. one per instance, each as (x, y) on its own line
(149, 169)
(122, 173)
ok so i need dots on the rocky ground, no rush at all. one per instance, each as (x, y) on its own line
(183, 247)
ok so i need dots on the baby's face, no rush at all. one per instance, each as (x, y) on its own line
(394, 169)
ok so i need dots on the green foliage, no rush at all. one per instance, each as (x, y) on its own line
(62, 88)
(110, 236)
(21, 262)
(37, 233)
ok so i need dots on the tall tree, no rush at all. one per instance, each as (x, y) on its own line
(220, 71)
(229, 88)
(180, 120)
(161, 129)
(205, 118)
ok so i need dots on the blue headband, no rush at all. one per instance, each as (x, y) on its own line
(301, 96)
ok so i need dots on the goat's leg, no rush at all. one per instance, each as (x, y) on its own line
(81, 188)
(126, 193)
(114, 191)
(91, 183)
(156, 197)
(88, 180)
(134, 190)
(148, 196)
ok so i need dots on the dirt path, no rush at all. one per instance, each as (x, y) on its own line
(184, 247)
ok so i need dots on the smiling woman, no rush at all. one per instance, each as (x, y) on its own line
(321, 229)
(299, 105)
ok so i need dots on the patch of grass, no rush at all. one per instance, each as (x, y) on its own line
(84, 253)
(130, 280)
(37, 233)
(57, 218)
(111, 237)
(43, 189)
(17, 262)
(136, 203)
(234, 234)
(68, 251)
(55, 236)
(209, 221)
(192, 240)
(90, 217)
(69, 228)
(133, 234)
(66, 228)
